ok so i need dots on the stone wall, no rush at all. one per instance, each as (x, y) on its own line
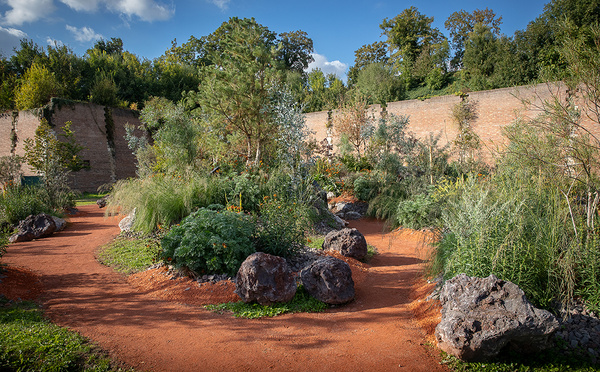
(496, 108)
(91, 124)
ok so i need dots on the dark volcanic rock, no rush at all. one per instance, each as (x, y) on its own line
(34, 227)
(481, 316)
(265, 279)
(348, 242)
(329, 279)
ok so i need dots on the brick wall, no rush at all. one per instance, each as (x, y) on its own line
(89, 124)
(496, 108)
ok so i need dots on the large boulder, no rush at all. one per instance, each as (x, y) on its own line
(329, 279)
(34, 227)
(348, 242)
(482, 316)
(127, 222)
(265, 279)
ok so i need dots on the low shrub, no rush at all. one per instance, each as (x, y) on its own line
(16, 203)
(29, 342)
(209, 241)
(417, 212)
(283, 225)
(129, 256)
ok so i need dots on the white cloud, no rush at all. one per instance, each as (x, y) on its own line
(14, 32)
(222, 4)
(84, 34)
(147, 10)
(333, 67)
(53, 42)
(23, 11)
(82, 5)
(10, 38)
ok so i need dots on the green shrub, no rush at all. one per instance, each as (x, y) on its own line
(518, 228)
(16, 203)
(417, 212)
(282, 227)
(208, 241)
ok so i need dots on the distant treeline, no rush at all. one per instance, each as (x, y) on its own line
(415, 60)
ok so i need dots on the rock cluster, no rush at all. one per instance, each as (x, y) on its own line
(349, 211)
(482, 316)
(579, 333)
(37, 227)
(348, 242)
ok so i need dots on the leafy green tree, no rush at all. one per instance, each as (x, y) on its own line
(296, 50)
(366, 55)
(36, 88)
(352, 122)
(467, 142)
(462, 23)
(8, 82)
(68, 69)
(174, 133)
(378, 83)
(481, 56)
(409, 35)
(235, 88)
(53, 159)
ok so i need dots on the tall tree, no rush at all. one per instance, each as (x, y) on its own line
(376, 52)
(296, 50)
(235, 88)
(462, 23)
(410, 34)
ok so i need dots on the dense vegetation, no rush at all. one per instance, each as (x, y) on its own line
(413, 60)
(227, 167)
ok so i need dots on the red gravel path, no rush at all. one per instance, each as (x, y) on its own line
(376, 332)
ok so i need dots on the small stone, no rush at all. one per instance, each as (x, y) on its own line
(574, 343)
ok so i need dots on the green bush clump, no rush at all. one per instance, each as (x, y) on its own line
(210, 241)
(417, 212)
(16, 203)
(517, 228)
(282, 226)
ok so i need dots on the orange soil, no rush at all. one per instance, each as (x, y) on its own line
(154, 322)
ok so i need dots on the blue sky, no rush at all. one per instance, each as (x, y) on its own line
(147, 27)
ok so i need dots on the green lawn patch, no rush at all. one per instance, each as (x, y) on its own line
(301, 303)
(28, 342)
(130, 255)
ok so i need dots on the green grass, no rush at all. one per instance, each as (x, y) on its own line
(128, 255)
(548, 361)
(315, 241)
(301, 303)
(88, 198)
(28, 342)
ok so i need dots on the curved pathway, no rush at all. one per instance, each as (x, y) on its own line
(376, 332)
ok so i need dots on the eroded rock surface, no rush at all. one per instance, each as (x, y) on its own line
(265, 279)
(34, 227)
(329, 279)
(348, 242)
(482, 316)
